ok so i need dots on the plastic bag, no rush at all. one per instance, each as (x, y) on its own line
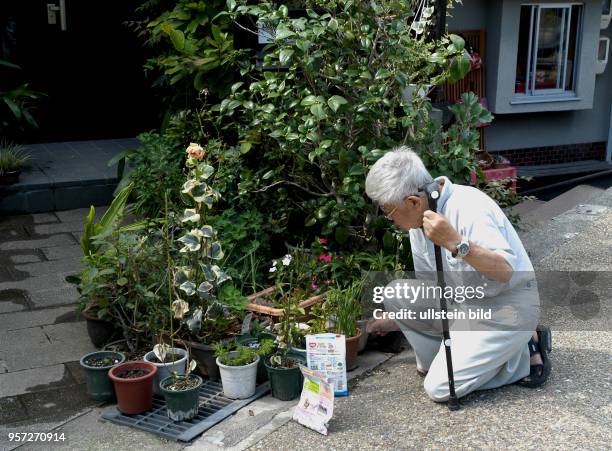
(316, 405)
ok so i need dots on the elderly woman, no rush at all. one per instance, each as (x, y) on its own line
(477, 241)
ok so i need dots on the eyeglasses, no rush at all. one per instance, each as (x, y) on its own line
(389, 215)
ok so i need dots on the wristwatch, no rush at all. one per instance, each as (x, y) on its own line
(462, 250)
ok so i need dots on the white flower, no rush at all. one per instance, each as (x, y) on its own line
(195, 151)
(287, 260)
(273, 269)
(180, 307)
(274, 262)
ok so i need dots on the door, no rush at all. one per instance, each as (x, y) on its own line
(82, 55)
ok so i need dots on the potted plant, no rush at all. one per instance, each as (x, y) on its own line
(167, 359)
(12, 159)
(344, 303)
(207, 305)
(133, 383)
(95, 366)
(283, 365)
(182, 394)
(254, 340)
(238, 366)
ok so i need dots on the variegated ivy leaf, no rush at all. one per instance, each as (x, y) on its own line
(207, 231)
(214, 251)
(199, 192)
(204, 290)
(190, 215)
(189, 185)
(209, 201)
(160, 350)
(215, 310)
(209, 274)
(205, 170)
(179, 308)
(191, 240)
(182, 274)
(220, 275)
(192, 366)
(188, 287)
(195, 322)
(427, 12)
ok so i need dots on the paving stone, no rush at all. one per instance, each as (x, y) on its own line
(56, 405)
(66, 332)
(61, 227)
(33, 284)
(76, 371)
(69, 197)
(22, 220)
(36, 379)
(31, 337)
(5, 275)
(53, 297)
(30, 201)
(12, 234)
(12, 300)
(11, 410)
(25, 357)
(41, 268)
(50, 316)
(31, 257)
(54, 240)
(62, 252)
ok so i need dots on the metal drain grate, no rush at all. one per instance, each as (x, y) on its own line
(214, 407)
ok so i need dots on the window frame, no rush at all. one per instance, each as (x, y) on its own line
(531, 93)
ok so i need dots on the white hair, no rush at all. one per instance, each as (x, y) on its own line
(397, 174)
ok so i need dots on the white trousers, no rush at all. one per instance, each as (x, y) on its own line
(483, 357)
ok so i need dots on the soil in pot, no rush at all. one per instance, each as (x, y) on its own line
(95, 367)
(286, 383)
(176, 361)
(239, 381)
(352, 348)
(182, 396)
(133, 383)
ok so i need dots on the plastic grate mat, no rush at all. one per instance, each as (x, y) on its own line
(214, 407)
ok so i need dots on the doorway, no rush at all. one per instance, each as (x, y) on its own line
(86, 60)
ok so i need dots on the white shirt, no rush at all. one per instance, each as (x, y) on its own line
(479, 219)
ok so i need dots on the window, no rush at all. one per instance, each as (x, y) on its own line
(548, 49)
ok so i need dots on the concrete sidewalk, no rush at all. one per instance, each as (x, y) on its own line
(387, 407)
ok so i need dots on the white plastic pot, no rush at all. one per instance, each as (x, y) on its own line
(238, 381)
(165, 369)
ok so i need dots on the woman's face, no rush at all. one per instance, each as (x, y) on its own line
(408, 214)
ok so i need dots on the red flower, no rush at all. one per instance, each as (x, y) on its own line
(323, 240)
(325, 257)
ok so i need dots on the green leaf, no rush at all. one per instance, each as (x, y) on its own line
(176, 36)
(190, 215)
(381, 74)
(245, 146)
(318, 111)
(122, 281)
(457, 41)
(283, 33)
(268, 174)
(309, 100)
(207, 231)
(188, 287)
(335, 102)
(190, 241)
(215, 252)
(285, 56)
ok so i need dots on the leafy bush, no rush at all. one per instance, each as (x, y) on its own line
(233, 354)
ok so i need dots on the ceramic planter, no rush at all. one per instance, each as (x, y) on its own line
(134, 395)
(352, 347)
(184, 404)
(204, 355)
(165, 369)
(259, 303)
(100, 331)
(286, 383)
(99, 386)
(238, 381)
(9, 177)
(246, 340)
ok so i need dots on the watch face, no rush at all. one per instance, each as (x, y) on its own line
(463, 249)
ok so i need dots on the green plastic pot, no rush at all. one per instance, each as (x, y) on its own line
(286, 383)
(245, 340)
(181, 405)
(99, 385)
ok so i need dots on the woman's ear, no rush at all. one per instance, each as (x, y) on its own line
(413, 201)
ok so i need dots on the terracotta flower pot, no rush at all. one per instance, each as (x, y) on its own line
(352, 347)
(134, 395)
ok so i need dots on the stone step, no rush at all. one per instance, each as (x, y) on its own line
(541, 212)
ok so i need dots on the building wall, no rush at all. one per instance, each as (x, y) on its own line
(541, 129)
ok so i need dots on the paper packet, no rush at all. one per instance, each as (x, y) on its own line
(316, 405)
(326, 354)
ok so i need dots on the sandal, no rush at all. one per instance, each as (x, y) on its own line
(539, 373)
(421, 373)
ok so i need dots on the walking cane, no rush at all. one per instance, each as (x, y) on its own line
(432, 190)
